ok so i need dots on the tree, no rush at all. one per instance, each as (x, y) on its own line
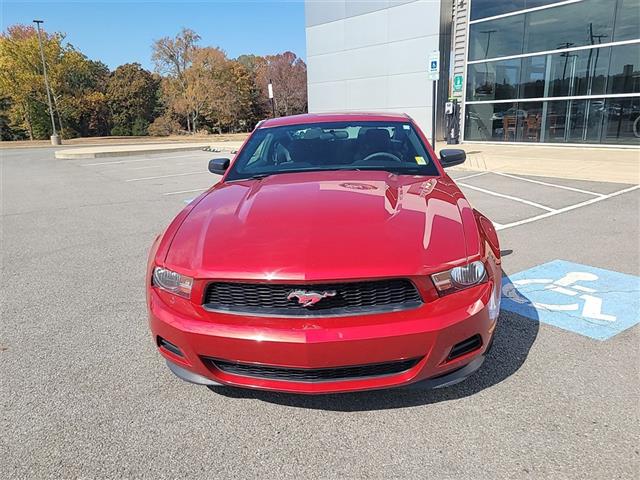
(80, 95)
(259, 106)
(131, 95)
(21, 76)
(73, 79)
(172, 57)
(288, 74)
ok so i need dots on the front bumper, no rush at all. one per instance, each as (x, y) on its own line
(428, 333)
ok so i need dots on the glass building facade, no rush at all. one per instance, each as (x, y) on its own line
(553, 72)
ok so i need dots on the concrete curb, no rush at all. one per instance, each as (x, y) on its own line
(129, 150)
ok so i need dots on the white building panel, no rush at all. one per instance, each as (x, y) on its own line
(371, 56)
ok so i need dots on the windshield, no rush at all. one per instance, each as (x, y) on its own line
(389, 146)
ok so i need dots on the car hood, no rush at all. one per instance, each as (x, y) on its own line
(324, 225)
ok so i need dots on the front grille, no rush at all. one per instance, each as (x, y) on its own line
(345, 298)
(314, 374)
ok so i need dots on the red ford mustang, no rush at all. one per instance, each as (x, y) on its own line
(334, 255)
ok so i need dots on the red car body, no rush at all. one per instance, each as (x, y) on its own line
(317, 228)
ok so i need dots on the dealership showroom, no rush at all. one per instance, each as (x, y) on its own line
(535, 71)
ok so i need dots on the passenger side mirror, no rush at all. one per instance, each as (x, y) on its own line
(451, 157)
(219, 165)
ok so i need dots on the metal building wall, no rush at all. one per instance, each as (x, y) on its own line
(372, 55)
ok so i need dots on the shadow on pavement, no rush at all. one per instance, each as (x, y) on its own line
(514, 338)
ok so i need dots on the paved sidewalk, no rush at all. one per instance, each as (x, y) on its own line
(103, 151)
(619, 165)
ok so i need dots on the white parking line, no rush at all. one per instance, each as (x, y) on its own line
(142, 168)
(567, 209)
(563, 187)
(166, 176)
(180, 192)
(508, 197)
(191, 161)
(471, 176)
(120, 162)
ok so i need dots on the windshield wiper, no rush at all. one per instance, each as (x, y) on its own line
(258, 176)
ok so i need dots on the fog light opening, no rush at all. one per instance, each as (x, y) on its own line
(464, 347)
(169, 346)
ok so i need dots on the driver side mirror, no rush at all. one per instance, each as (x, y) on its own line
(219, 165)
(451, 157)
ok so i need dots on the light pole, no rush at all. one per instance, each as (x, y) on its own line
(55, 138)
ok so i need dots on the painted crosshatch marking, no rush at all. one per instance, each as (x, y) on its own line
(587, 300)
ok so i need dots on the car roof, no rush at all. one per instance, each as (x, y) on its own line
(333, 117)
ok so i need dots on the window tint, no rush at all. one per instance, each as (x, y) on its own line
(533, 76)
(582, 72)
(627, 20)
(624, 72)
(496, 38)
(504, 122)
(622, 121)
(493, 80)
(555, 121)
(490, 8)
(485, 121)
(589, 22)
(390, 146)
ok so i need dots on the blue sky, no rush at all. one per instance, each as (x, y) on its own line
(118, 31)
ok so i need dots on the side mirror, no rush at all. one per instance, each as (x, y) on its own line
(219, 165)
(451, 157)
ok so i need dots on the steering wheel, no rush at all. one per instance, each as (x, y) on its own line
(380, 154)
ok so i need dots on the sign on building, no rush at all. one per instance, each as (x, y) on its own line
(458, 81)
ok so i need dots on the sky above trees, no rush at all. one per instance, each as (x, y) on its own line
(122, 31)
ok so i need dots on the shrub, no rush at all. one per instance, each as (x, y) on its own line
(163, 126)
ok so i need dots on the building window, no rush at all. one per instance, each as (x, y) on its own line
(589, 22)
(498, 90)
(575, 121)
(627, 20)
(490, 8)
(493, 80)
(624, 71)
(496, 38)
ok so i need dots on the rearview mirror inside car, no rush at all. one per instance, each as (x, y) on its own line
(451, 157)
(219, 165)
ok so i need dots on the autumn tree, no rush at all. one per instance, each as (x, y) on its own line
(77, 85)
(131, 95)
(288, 73)
(21, 77)
(259, 106)
(173, 57)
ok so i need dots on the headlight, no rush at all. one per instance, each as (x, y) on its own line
(172, 282)
(459, 277)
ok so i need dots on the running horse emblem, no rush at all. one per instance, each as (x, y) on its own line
(308, 298)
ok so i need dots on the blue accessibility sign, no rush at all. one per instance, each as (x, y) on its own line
(587, 300)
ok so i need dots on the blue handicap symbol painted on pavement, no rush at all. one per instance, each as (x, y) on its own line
(590, 301)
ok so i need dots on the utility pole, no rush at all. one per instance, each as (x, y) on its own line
(55, 138)
(273, 102)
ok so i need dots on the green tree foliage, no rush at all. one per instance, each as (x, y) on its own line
(131, 95)
(195, 89)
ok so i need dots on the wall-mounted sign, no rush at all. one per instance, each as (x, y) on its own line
(434, 65)
(457, 83)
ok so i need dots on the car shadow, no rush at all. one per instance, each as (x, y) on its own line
(514, 337)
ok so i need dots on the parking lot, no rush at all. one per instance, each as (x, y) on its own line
(85, 394)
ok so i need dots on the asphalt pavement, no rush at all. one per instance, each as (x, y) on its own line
(85, 394)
